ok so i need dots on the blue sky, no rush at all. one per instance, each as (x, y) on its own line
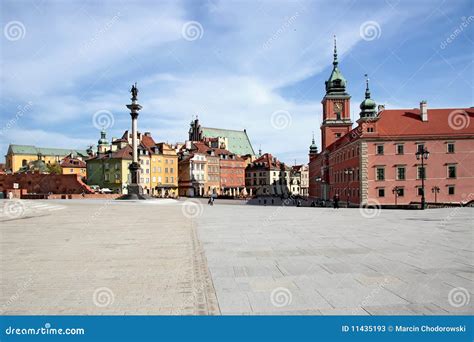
(239, 62)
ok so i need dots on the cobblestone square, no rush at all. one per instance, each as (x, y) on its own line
(183, 257)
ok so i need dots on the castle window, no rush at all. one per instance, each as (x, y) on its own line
(400, 148)
(380, 173)
(451, 190)
(420, 147)
(379, 149)
(381, 192)
(450, 147)
(401, 172)
(401, 192)
(451, 171)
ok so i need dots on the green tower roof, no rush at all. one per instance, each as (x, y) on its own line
(368, 106)
(313, 148)
(336, 84)
(103, 138)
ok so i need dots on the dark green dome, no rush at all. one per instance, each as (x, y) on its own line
(313, 148)
(368, 106)
(103, 140)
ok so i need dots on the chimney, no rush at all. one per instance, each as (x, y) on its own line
(188, 144)
(148, 134)
(423, 111)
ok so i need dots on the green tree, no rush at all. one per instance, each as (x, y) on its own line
(54, 168)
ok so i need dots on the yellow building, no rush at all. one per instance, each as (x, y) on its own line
(21, 155)
(164, 171)
(159, 166)
(73, 165)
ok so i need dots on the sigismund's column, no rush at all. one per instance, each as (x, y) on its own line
(134, 188)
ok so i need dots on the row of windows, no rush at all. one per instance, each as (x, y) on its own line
(451, 172)
(345, 155)
(450, 190)
(167, 161)
(198, 166)
(380, 150)
(264, 174)
(264, 182)
(167, 170)
(167, 179)
(345, 176)
(347, 192)
(213, 178)
(400, 148)
(232, 171)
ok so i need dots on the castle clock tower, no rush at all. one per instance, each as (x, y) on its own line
(336, 106)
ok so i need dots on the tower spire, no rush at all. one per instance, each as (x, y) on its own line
(367, 106)
(367, 91)
(313, 149)
(336, 84)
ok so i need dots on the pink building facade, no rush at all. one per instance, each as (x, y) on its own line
(375, 162)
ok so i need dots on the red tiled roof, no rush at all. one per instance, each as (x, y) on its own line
(124, 153)
(201, 147)
(148, 141)
(394, 123)
(268, 162)
(407, 122)
(72, 162)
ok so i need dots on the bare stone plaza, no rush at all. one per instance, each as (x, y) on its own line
(169, 257)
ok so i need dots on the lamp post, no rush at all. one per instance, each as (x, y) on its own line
(422, 154)
(435, 190)
(348, 172)
(396, 191)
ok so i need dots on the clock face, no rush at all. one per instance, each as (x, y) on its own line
(338, 107)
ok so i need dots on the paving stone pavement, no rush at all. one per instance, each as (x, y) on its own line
(102, 257)
(168, 257)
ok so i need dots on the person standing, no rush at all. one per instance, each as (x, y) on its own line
(336, 201)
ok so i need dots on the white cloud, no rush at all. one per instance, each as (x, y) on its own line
(77, 60)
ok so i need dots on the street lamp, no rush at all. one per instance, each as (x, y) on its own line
(422, 154)
(435, 190)
(396, 191)
(348, 172)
